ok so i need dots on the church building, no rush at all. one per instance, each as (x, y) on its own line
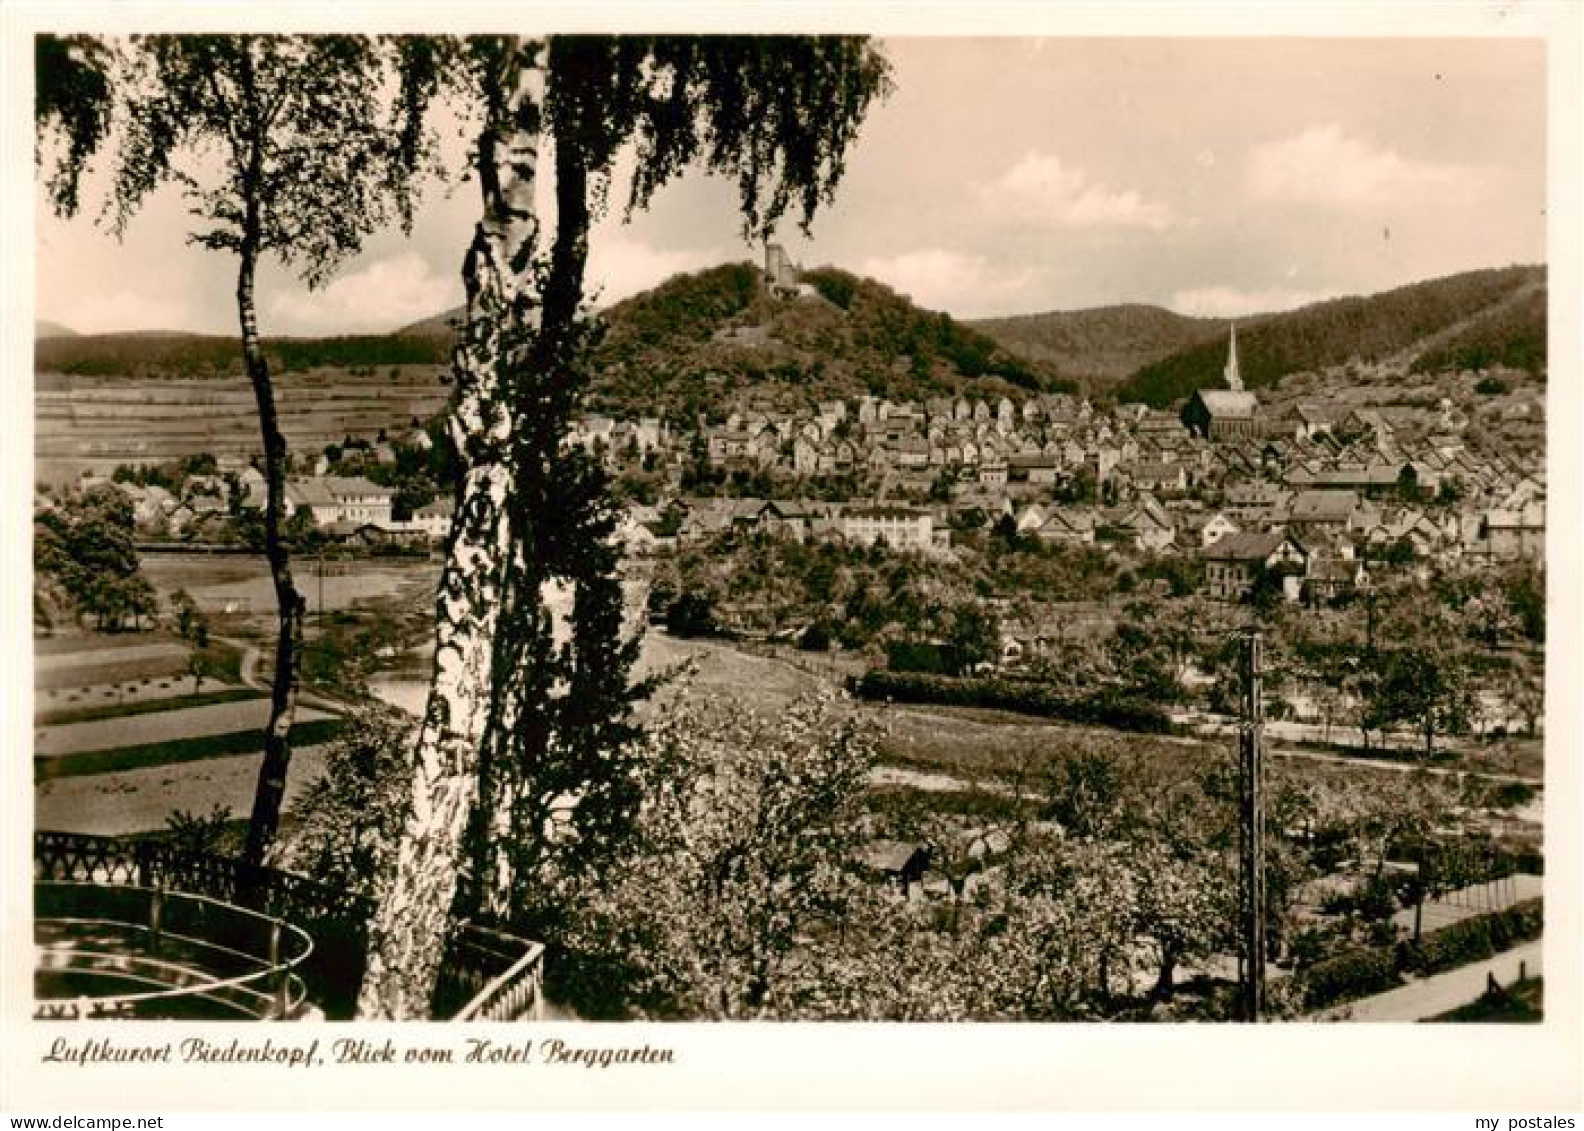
(1229, 413)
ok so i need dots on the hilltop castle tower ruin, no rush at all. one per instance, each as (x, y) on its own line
(782, 276)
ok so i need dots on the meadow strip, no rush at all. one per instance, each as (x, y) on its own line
(170, 753)
(65, 715)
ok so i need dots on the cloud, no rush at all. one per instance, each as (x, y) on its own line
(620, 265)
(92, 313)
(1041, 187)
(404, 288)
(382, 296)
(1233, 302)
(964, 285)
(1322, 165)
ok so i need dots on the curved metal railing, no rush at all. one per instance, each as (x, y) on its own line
(485, 974)
(200, 956)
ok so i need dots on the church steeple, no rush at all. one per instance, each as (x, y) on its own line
(1234, 379)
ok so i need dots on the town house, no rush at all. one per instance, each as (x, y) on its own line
(334, 499)
(1234, 564)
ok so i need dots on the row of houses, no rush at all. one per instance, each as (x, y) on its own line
(348, 507)
(1357, 510)
(1221, 438)
(905, 528)
(1325, 541)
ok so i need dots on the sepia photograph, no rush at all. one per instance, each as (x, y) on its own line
(779, 526)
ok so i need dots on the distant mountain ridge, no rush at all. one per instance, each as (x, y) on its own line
(45, 329)
(1471, 320)
(161, 353)
(1100, 344)
(704, 341)
(442, 325)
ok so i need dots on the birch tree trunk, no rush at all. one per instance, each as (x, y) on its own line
(410, 928)
(289, 603)
(506, 840)
(271, 788)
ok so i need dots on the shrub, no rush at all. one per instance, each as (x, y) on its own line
(1474, 939)
(1372, 970)
(837, 287)
(1512, 794)
(1357, 973)
(1529, 861)
(816, 638)
(920, 656)
(691, 614)
(198, 833)
(1105, 708)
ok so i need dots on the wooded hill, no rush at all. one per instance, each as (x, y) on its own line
(1102, 345)
(166, 354)
(701, 341)
(1474, 320)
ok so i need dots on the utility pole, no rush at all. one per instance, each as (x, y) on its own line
(1251, 829)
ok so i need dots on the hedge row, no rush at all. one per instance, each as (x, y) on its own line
(1473, 939)
(1103, 709)
(1354, 974)
(1372, 970)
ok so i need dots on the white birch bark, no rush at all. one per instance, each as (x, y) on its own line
(408, 935)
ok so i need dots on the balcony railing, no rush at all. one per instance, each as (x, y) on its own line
(136, 952)
(486, 974)
(505, 979)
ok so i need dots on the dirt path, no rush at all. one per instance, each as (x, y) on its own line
(248, 664)
(1400, 767)
(1441, 993)
(933, 782)
(248, 671)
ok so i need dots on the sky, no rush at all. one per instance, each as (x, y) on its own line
(1216, 177)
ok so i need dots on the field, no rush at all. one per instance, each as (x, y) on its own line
(139, 800)
(95, 423)
(170, 752)
(240, 584)
(765, 684)
(177, 724)
(89, 667)
(115, 713)
(73, 649)
(141, 706)
(121, 741)
(122, 669)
